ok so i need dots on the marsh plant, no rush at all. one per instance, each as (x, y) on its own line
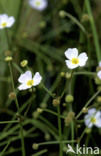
(50, 77)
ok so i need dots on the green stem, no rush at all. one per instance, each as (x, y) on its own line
(52, 112)
(60, 132)
(93, 27)
(18, 109)
(8, 40)
(7, 122)
(11, 73)
(56, 142)
(47, 91)
(85, 73)
(89, 101)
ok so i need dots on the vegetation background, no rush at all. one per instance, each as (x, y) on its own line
(42, 38)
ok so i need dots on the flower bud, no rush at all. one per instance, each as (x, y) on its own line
(8, 58)
(62, 13)
(62, 74)
(24, 63)
(35, 146)
(69, 98)
(39, 110)
(69, 118)
(88, 130)
(56, 102)
(85, 18)
(85, 110)
(12, 95)
(68, 75)
(99, 99)
(42, 24)
(47, 136)
(97, 81)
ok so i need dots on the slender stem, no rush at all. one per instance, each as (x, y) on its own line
(5, 148)
(56, 142)
(47, 91)
(54, 113)
(16, 101)
(6, 122)
(60, 132)
(89, 101)
(85, 73)
(93, 27)
(18, 109)
(8, 40)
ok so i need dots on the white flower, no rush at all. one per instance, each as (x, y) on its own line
(99, 74)
(27, 81)
(93, 118)
(100, 64)
(75, 60)
(5, 21)
(38, 4)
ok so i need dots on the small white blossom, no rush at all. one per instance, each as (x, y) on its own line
(75, 60)
(38, 4)
(99, 74)
(27, 81)
(93, 118)
(100, 64)
(6, 21)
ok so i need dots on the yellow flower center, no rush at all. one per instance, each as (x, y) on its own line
(4, 24)
(30, 83)
(75, 60)
(38, 3)
(93, 120)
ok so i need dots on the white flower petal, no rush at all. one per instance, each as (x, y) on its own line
(25, 77)
(3, 17)
(70, 65)
(98, 114)
(10, 21)
(42, 6)
(37, 78)
(100, 64)
(87, 121)
(98, 123)
(99, 74)
(82, 59)
(92, 111)
(23, 87)
(71, 53)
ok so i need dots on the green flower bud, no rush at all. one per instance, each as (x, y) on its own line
(62, 74)
(35, 146)
(85, 110)
(12, 95)
(69, 118)
(99, 99)
(85, 18)
(56, 102)
(39, 110)
(69, 98)
(68, 75)
(62, 13)
(24, 63)
(8, 58)
(88, 130)
(97, 81)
